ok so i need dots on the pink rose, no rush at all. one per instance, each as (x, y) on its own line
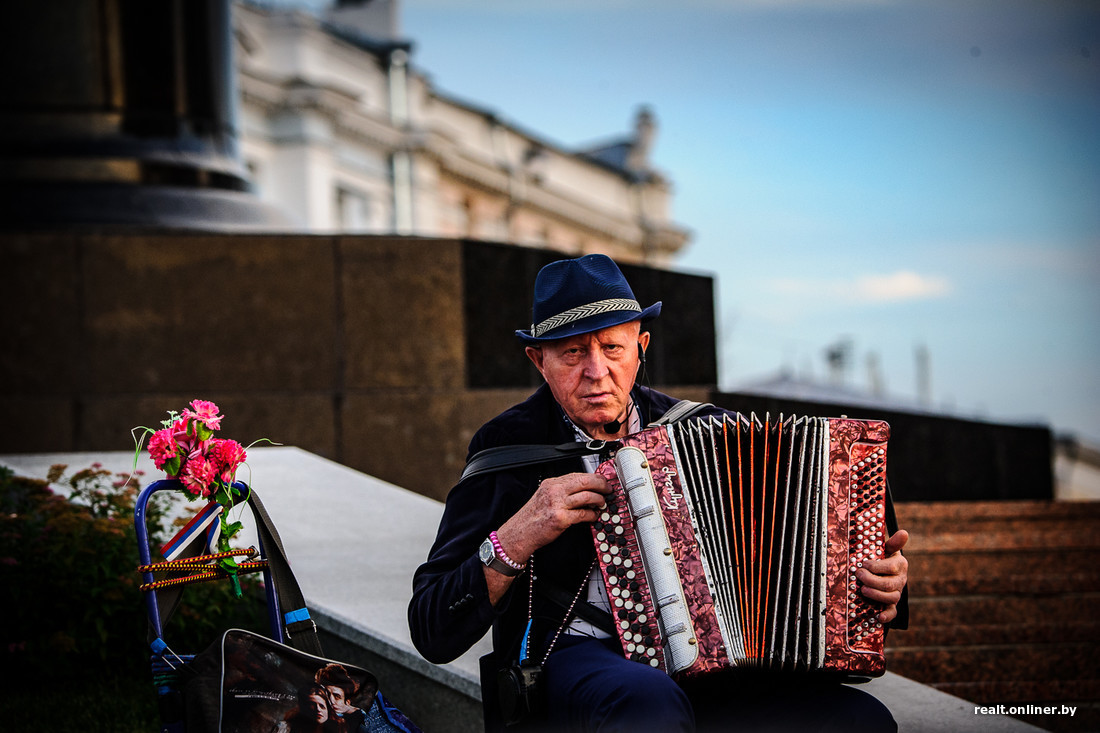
(204, 412)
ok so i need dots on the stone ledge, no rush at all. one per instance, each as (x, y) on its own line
(355, 541)
(456, 678)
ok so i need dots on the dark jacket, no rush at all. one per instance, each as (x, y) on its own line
(450, 610)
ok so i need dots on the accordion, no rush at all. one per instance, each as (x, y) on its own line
(730, 542)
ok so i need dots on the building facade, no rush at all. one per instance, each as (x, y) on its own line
(341, 132)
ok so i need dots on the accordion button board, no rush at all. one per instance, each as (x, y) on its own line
(735, 542)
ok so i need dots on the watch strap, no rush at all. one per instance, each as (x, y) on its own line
(495, 563)
(488, 557)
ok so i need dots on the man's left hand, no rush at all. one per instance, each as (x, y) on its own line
(883, 580)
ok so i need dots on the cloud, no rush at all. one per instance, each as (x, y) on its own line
(894, 287)
(897, 286)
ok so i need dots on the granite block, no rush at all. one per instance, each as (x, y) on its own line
(402, 312)
(30, 422)
(171, 313)
(41, 321)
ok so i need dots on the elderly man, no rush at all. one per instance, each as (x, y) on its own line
(514, 550)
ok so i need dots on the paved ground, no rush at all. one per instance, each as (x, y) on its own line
(354, 542)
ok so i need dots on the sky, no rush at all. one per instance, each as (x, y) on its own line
(903, 177)
(895, 175)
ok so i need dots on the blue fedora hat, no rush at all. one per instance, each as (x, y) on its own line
(580, 296)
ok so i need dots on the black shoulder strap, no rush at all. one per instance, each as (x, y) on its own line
(515, 456)
(505, 457)
(300, 628)
(584, 610)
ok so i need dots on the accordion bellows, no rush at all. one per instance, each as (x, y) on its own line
(734, 542)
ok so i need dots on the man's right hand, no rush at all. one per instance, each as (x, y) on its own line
(556, 505)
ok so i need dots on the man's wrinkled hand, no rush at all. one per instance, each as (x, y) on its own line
(557, 505)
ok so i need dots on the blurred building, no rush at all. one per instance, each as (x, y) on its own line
(342, 132)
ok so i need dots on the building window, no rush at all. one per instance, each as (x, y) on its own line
(352, 209)
(253, 169)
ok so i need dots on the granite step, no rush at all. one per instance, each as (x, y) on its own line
(1005, 606)
(1028, 585)
(1000, 662)
(1022, 535)
(970, 634)
(1066, 608)
(1085, 523)
(999, 562)
(1023, 691)
(924, 513)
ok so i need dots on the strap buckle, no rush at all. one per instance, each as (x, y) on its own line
(308, 625)
(299, 621)
(605, 449)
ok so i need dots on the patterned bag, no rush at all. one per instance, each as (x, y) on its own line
(248, 682)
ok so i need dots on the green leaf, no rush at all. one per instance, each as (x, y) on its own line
(231, 530)
(172, 465)
(223, 496)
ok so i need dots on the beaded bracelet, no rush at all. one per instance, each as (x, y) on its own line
(502, 555)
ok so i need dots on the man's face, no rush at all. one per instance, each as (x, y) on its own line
(340, 704)
(591, 375)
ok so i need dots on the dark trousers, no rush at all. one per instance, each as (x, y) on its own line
(591, 686)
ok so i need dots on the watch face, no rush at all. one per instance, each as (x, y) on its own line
(485, 552)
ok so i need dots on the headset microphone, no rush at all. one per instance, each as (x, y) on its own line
(613, 427)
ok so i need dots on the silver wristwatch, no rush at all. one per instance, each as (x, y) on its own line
(489, 557)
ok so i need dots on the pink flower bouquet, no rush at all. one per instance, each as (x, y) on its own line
(185, 449)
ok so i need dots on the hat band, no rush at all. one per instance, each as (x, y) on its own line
(584, 311)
